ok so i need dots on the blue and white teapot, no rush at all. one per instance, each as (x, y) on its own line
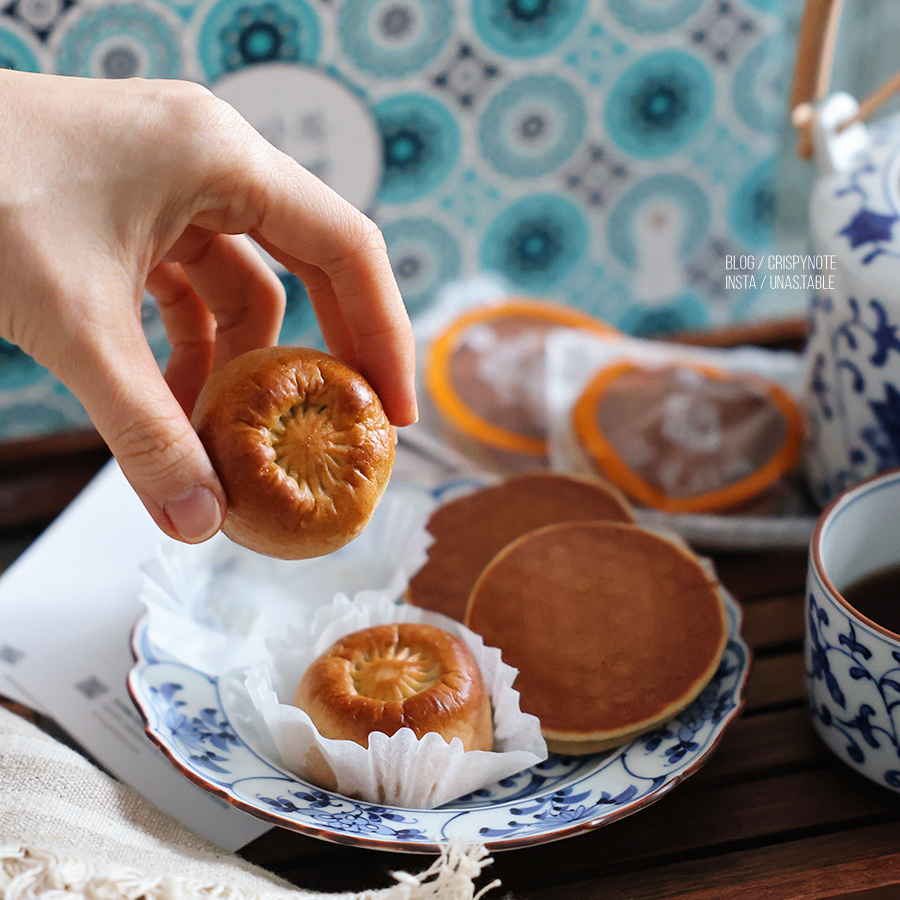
(853, 382)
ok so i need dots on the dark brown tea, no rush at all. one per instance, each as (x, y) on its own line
(877, 597)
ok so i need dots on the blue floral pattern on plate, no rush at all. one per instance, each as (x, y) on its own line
(185, 716)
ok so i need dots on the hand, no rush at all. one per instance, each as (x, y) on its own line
(108, 188)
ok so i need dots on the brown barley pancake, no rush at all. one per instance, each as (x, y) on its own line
(469, 530)
(614, 629)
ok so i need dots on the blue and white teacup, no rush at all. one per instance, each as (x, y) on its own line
(853, 384)
(853, 663)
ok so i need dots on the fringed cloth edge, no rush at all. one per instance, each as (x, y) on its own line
(28, 873)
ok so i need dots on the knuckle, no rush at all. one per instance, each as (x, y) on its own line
(207, 127)
(189, 104)
(363, 239)
(153, 448)
(370, 237)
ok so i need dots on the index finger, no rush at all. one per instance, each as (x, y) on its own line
(340, 255)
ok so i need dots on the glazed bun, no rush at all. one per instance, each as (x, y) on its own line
(402, 675)
(302, 447)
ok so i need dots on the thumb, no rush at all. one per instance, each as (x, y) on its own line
(150, 435)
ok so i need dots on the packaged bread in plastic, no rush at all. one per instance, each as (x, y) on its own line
(678, 429)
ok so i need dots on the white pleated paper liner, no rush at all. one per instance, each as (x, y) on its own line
(215, 605)
(401, 770)
(256, 623)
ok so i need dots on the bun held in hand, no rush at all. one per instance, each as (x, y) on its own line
(403, 675)
(302, 447)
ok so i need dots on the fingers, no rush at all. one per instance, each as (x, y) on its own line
(244, 295)
(336, 332)
(122, 389)
(217, 299)
(250, 187)
(101, 354)
(383, 364)
(190, 328)
(361, 314)
(342, 258)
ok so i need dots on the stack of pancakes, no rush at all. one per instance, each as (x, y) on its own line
(613, 628)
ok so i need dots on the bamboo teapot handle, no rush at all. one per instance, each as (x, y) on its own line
(812, 73)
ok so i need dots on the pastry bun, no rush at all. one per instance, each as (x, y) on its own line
(402, 675)
(301, 445)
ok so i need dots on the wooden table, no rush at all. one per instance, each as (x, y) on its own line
(771, 815)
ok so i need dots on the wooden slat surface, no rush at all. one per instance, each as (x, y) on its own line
(771, 816)
(38, 478)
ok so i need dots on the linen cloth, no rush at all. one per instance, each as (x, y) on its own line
(69, 830)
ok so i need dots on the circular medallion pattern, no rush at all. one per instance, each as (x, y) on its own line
(237, 33)
(759, 85)
(425, 256)
(154, 329)
(120, 40)
(752, 207)
(40, 15)
(420, 145)
(316, 119)
(659, 103)
(444, 121)
(29, 418)
(525, 28)
(532, 126)
(16, 53)
(686, 312)
(654, 16)
(299, 322)
(17, 368)
(536, 242)
(394, 38)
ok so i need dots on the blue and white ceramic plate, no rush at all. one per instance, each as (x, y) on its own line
(185, 715)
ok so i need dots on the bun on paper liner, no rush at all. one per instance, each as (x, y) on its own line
(218, 606)
(401, 770)
(399, 675)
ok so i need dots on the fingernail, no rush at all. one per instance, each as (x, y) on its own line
(195, 515)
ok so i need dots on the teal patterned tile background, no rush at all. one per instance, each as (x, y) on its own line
(604, 153)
